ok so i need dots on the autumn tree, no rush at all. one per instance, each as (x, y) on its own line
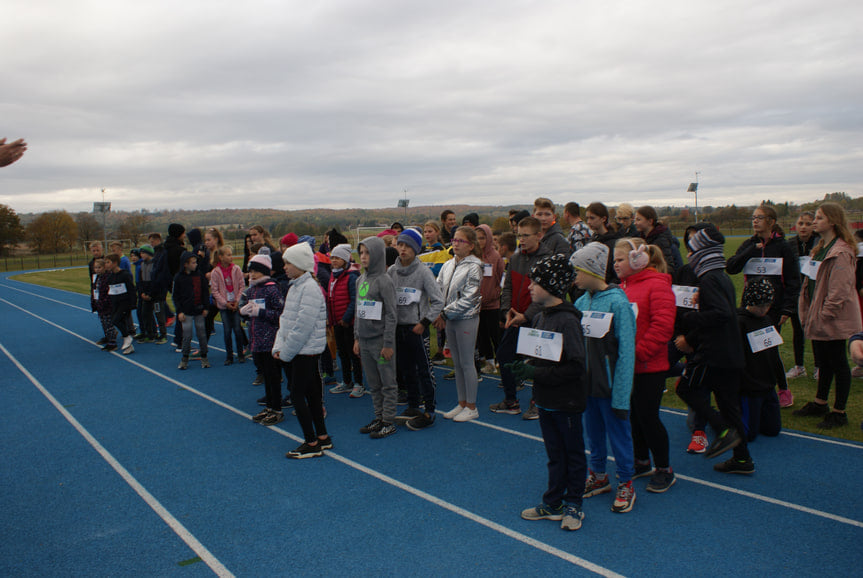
(89, 227)
(53, 232)
(11, 231)
(134, 227)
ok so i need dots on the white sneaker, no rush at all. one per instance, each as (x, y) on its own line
(467, 414)
(796, 371)
(341, 387)
(127, 342)
(358, 391)
(488, 368)
(453, 412)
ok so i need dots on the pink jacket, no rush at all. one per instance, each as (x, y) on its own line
(833, 312)
(651, 292)
(218, 289)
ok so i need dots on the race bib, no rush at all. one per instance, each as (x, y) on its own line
(811, 269)
(118, 289)
(595, 323)
(371, 310)
(502, 281)
(96, 294)
(804, 262)
(407, 295)
(540, 344)
(487, 270)
(860, 249)
(262, 302)
(683, 295)
(763, 266)
(231, 296)
(762, 339)
(634, 309)
(94, 278)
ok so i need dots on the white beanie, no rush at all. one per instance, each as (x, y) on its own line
(261, 264)
(592, 259)
(300, 256)
(342, 251)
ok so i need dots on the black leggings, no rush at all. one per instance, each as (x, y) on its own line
(834, 361)
(488, 335)
(307, 395)
(800, 342)
(648, 432)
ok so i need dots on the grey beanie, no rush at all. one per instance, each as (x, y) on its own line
(592, 259)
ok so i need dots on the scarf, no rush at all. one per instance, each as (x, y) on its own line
(707, 254)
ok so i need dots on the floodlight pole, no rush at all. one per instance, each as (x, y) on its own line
(696, 197)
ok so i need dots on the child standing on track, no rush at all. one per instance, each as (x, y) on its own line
(152, 299)
(560, 388)
(341, 307)
(301, 338)
(191, 298)
(609, 342)
(102, 304)
(121, 289)
(375, 336)
(226, 283)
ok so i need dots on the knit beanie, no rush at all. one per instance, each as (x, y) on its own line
(705, 236)
(307, 239)
(176, 230)
(554, 274)
(592, 259)
(289, 240)
(519, 216)
(412, 239)
(342, 251)
(300, 256)
(148, 249)
(471, 218)
(758, 292)
(261, 264)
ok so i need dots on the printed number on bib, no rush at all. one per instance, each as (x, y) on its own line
(486, 270)
(811, 269)
(540, 344)
(371, 310)
(595, 323)
(683, 295)
(408, 295)
(762, 339)
(118, 289)
(763, 266)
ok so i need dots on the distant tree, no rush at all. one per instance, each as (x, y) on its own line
(501, 225)
(89, 227)
(53, 232)
(135, 227)
(11, 231)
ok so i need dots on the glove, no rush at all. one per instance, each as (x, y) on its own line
(622, 414)
(521, 370)
(249, 309)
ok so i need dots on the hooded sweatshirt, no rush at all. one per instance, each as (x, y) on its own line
(376, 297)
(418, 295)
(493, 269)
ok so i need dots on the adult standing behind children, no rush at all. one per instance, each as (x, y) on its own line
(459, 280)
(830, 311)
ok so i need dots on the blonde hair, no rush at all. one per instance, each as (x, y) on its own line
(835, 216)
(470, 233)
(657, 260)
(624, 210)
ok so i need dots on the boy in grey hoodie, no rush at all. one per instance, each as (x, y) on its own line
(419, 301)
(375, 335)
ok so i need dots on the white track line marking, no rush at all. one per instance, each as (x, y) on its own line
(166, 516)
(467, 514)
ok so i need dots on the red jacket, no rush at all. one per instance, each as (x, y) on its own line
(651, 293)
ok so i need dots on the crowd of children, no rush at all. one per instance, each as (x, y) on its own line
(597, 316)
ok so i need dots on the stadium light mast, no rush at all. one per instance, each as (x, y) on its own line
(693, 188)
(103, 208)
(403, 204)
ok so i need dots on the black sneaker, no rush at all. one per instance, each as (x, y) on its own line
(661, 481)
(102, 341)
(812, 408)
(832, 420)
(241, 359)
(642, 470)
(409, 414)
(421, 422)
(326, 443)
(273, 417)
(109, 347)
(730, 439)
(403, 397)
(305, 451)
(286, 402)
(735, 466)
(386, 429)
(372, 426)
(260, 416)
(438, 358)
(259, 380)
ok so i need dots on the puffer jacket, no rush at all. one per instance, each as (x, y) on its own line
(832, 311)
(303, 323)
(459, 282)
(651, 292)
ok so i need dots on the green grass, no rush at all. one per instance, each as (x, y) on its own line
(803, 388)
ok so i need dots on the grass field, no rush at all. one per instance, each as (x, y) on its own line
(803, 388)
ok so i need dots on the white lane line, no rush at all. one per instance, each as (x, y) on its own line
(547, 548)
(203, 553)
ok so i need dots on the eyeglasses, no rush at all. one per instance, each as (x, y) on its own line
(525, 235)
(459, 241)
(758, 217)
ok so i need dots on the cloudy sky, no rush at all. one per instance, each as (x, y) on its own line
(329, 103)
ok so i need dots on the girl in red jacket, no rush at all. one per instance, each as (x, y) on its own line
(642, 271)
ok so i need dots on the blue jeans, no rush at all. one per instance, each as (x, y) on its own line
(231, 326)
(599, 422)
(567, 465)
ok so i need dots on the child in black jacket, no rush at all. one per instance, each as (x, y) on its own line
(191, 297)
(559, 382)
(121, 289)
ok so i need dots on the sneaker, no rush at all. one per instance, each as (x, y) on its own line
(259, 379)
(409, 414)
(196, 354)
(128, 349)
(450, 376)
(532, 412)
(273, 417)
(358, 391)
(796, 371)
(342, 388)
(241, 359)
(229, 361)
(661, 481)
(786, 398)
(438, 359)
(109, 347)
(572, 517)
(329, 379)
(543, 512)
(306, 451)
(144, 339)
(205, 363)
(102, 341)
(812, 408)
(624, 499)
(261, 415)
(728, 440)
(162, 340)
(373, 425)
(488, 368)
(421, 422)
(453, 412)
(642, 470)
(169, 322)
(466, 414)
(832, 420)
(596, 485)
(184, 363)
(510, 407)
(140, 336)
(326, 443)
(286, 401)
(386, 429)
(698, 444)
(178, 349)
(402, 398)
(857, 371)
(735, 466)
